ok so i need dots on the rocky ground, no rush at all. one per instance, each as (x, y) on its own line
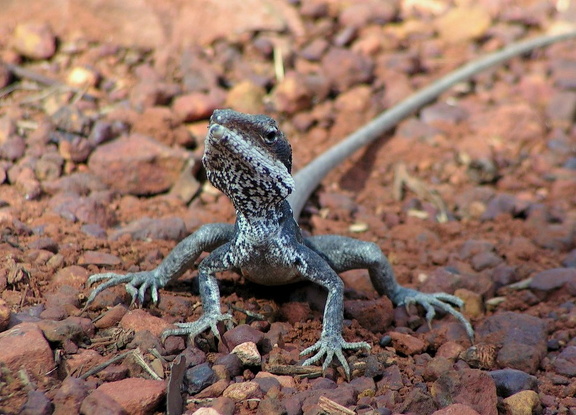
(103, 110)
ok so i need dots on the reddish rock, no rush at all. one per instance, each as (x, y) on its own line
(36, 404)
(74, 276)
(470, 387)
(137, 164)
(242, 334)
(565, 362)
(90, 209)
(170, 229)
(456, 409)
(98, 258)
(34, 40)
(140, 320)
(374, 315)
(292, 94)
(522, 337)
(111, 317)
(73, 328)
(553, 279)
(247, 97)
(243, 390)
(4, 314)
(345, 68)
(295, 312)
(463, 24)
(24, 347)
(69, 396)
(164, 125)
(366, 12)
(195, 106)
(99, 402)
(406, 344)
(562, 109)
(136, 396)
(79, 363)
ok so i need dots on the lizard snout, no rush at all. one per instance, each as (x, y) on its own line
(216, 131)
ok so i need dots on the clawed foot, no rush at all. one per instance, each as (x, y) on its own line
(137, 284)
(331, 346)
(441, 301)
(195, 328)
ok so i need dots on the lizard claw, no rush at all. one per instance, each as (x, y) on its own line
(137, 284)
(195, 328)
(332, 346)
(441, 301)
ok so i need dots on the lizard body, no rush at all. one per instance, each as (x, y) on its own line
(249, 159)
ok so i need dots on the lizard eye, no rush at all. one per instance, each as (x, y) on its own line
(271, 136)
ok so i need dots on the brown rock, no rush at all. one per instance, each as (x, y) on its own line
(98, 258)
(553, 279)
(292, 94)
(69, 396)
(4, 314)
(345, 68)
(137, 164)
(295, 312)
(195, 106)
(470, 387)
(242, 334)
(99, 402)
(456, 409)
(522, 403)
(74, 276)
(140, 320)
(463, 24)
(111, 317)
(285, 381)
(91, 209)
(363, 13)
(248, 354)
(247, 97)
(136, 396)
(374, 315)
(34, 40)
(24, 347)
(170, 229)
(72, 328)
(473, 303)
(561, 109)
(84, 360)
(243, 390)
(36, 404)
(523, 339)
(565, 362)
(417, 402)
(406, 344)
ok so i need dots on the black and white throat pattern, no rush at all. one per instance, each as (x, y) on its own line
(249, 160)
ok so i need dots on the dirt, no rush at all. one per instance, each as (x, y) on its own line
(101, 133)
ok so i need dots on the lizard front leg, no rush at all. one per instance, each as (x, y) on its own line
(343, 253)
(217, 261)
(181, 258)
(314, 268)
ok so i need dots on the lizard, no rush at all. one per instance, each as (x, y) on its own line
(249, 159)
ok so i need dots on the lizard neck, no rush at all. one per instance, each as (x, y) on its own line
(264, 223)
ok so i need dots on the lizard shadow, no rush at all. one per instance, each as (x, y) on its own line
(356, 176)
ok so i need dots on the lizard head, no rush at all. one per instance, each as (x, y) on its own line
(249, 159)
